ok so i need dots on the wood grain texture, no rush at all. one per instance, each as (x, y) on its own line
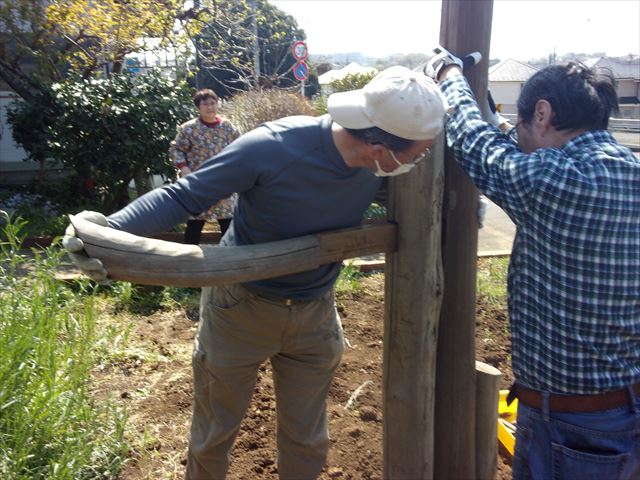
(413, 294)
(150, 261)
(465, 26)
(487, 396)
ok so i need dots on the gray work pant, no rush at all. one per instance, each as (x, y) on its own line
(238, 332)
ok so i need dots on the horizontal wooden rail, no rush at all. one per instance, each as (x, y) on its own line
(150, 261)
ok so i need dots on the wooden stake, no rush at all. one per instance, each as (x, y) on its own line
(487, 396)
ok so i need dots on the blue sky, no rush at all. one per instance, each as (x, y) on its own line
(521, 29)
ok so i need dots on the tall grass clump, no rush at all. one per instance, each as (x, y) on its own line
(50, 427)
(492, 280)
(348, 281)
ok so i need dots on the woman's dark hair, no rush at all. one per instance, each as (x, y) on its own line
(377, 135)
(581, 98)
(202, 95)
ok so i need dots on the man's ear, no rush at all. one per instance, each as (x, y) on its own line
(376, 150)
(542, 115)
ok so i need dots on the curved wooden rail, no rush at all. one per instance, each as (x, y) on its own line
(149, 261)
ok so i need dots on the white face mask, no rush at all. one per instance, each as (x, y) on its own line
(399, 170)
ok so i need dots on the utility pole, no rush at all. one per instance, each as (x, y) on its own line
(465, 26)
(256, 43)
(196, 44)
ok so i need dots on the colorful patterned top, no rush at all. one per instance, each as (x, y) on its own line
(196, 142)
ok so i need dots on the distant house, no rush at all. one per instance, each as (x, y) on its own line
(505, 82)
(353, 68)
(507, 77)
(627, 75)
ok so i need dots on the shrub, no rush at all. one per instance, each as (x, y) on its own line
(109, 131)
(247, 110)
(45, 214)
(352, 81)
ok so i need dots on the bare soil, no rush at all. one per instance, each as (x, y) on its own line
(157, 394)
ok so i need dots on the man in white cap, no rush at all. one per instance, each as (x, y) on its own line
(319, 174)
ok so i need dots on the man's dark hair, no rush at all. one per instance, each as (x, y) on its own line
(202, 95)
(377, 135)
(581, 98)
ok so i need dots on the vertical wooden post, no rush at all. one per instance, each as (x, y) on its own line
(413, 292)
(465, 26)
(487, 397)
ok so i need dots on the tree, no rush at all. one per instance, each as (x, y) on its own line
(43, 42)
(232, 32)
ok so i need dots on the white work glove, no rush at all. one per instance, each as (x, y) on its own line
(443, 58)
(482, 209)
(494, 117)
(497, 120)
(91, 267)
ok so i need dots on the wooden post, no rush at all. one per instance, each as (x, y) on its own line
(487, 397)
(413, 291)
(465, 26)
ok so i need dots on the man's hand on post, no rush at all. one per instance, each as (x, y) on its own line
(483, 203)
(91, 267)
(443, 58)
(494, 117)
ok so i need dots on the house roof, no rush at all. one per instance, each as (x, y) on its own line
(620, 68)
(351, 69)
(511, 70)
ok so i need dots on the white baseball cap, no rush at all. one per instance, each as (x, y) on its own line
(399, 101)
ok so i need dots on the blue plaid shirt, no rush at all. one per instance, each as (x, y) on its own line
(574, 274)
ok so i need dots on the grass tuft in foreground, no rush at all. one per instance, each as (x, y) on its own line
(50, 427)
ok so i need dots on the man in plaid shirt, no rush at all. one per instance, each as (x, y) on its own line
(574, 278)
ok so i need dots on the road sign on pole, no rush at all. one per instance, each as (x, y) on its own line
(299, 50)
(301, 71)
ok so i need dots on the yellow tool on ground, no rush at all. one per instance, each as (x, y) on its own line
(506, 421)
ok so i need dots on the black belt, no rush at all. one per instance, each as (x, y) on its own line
(574, 403)
(286, 301)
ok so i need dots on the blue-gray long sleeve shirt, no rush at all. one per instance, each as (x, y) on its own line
(291, 181)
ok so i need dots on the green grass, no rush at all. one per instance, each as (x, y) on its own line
(492, 280)
(349, 280)
(50, 426)
(142, 300)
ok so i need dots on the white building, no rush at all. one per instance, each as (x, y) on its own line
(505, 82)
(353, 68)
(14, 169)
(507, 77)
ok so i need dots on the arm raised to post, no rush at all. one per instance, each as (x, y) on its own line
(157, 262)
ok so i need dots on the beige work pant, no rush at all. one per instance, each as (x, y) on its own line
(238, 332)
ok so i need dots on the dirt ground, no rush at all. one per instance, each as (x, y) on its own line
(158, 394)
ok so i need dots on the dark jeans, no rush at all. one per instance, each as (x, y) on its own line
(578, 446)
(193, 232)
